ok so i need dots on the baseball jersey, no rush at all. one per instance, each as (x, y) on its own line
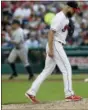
(18, 37)
(60, 25)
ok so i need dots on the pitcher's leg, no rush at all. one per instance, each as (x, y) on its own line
(67, 78)
(49, 67)
(65, 67)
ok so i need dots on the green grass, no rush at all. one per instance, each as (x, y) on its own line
(13, 92)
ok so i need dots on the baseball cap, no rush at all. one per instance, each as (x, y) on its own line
(74, 5)
(16, 22)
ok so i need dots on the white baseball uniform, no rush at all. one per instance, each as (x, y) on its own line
(18, 50)
(60, 25)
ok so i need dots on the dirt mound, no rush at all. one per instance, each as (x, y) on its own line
(58, 105)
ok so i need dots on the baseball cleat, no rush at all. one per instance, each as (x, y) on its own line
(31, 77)
(32, 98)
(73, 98)
(13, 76)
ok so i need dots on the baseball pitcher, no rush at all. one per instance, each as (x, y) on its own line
(56, 54)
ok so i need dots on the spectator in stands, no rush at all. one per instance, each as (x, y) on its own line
(32, 42)
(23, 12)
(31, 14)
(34, 22)
(84, 33)
(39, 8)
(43, 39)
(7, 34)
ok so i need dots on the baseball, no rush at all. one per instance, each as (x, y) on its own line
(86, 80)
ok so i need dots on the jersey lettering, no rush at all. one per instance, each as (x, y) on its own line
(66, 27)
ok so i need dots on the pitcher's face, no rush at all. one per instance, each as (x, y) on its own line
(70, 12)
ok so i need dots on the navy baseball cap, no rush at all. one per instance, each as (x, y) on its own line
(74, 5)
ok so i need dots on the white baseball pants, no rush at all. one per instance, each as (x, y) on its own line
(21, 53)
(60, 59)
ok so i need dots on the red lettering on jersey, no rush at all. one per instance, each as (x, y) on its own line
(66, 27)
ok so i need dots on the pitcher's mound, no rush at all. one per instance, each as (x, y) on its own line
(58, 105)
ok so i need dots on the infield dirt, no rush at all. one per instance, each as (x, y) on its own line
(58, 105)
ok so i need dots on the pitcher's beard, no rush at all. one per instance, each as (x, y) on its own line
(69, 15)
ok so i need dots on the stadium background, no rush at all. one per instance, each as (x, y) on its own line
(35, 19)
(32, 17)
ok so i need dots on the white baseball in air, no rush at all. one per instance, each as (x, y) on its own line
(86, 80)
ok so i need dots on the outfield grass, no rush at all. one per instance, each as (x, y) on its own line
(13, 91)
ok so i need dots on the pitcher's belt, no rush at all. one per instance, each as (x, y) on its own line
(60, 42)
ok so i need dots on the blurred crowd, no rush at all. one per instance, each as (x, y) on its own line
(32, 18)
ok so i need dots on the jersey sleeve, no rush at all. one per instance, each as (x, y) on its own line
(55, 24)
